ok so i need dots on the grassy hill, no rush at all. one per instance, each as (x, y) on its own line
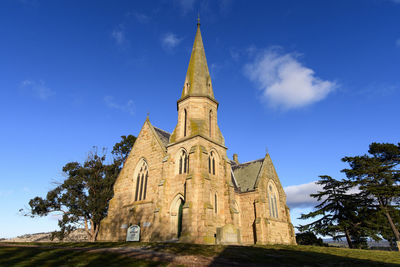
(145, 254)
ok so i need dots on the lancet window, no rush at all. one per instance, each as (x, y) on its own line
(273, 205)
(215, 203)
(210, 123)
(141, 181)
(183, 162)
(185, 123)
(211, 163)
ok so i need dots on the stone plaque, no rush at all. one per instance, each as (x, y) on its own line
(228, 234)
(124, 226)
(133, 233)
(146, 224)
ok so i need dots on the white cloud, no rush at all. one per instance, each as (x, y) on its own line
(299, 195)
(6, 193)
(38, 89)
(118, 34)
(235, 53)
(127, 107)
(170, 41)
(26, 189)
(185, 5)
(285, 82)
(55, 217)
(142, 18)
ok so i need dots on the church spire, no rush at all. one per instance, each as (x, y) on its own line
(198, 80)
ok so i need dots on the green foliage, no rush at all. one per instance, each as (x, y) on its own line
(339, 213)
(121, 150)
(308, 238)
(366, 204)
(82, 198)
(378, 177)
(379, 223)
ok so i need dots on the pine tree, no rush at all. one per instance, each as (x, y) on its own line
(339, 214)
(378, 178)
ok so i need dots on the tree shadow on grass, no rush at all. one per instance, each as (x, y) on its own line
(156, 254)
(24, 256)
(269, 256)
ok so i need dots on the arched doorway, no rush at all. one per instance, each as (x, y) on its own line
(176, 212)
(180, 219)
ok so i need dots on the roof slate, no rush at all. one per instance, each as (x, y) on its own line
(246, 174)
(163, 135)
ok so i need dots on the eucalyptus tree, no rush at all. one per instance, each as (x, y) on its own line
(81, 200)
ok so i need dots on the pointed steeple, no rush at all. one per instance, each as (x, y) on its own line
(198, 80)
(197, 107)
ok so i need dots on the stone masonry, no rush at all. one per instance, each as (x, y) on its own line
(182, 186)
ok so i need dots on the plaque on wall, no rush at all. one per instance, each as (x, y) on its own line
(146, 224)
(133, 233)
(228, 234)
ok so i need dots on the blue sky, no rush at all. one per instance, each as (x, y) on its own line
(311, 81)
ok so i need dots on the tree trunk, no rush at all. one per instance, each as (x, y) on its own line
(92, 231)
(87, 230)
(348, 238)
(96, 232)
(393, 226)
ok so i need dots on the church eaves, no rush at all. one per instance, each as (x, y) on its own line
(198, 80)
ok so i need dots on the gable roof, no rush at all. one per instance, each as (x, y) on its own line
(163, 135)
(246, 174)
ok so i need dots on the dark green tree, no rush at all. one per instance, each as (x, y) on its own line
(81, 200)
(339, 213)
(377, 176)
(308, 238)
(379, 223)
(121, 149)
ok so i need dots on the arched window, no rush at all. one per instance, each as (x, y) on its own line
(211, 163)
(215, 203)
(141, 180)
(183, 162)
(273, 201)
(210, 123)
(185, 123)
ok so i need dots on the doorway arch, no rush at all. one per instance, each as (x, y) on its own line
(176, 215)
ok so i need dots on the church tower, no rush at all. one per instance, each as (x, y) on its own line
(197, 107)
(206, 183)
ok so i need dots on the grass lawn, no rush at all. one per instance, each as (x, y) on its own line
(28, 256)
(274, 255)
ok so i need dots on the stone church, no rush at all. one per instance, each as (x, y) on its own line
(183, 187)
